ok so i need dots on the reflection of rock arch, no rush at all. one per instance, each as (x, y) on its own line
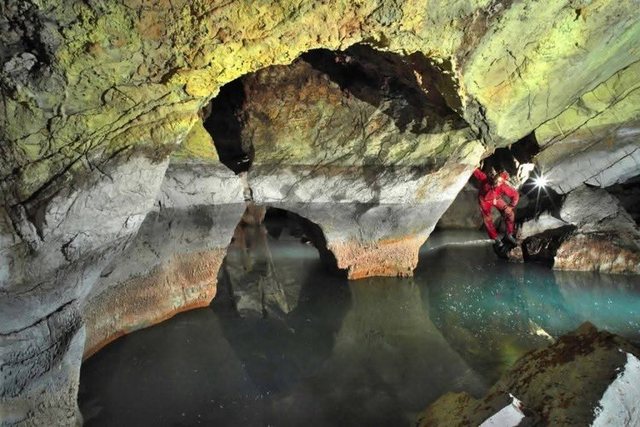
(388, 359)
(252, 277)
(284, 295)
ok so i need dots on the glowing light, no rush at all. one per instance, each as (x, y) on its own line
(540, 181)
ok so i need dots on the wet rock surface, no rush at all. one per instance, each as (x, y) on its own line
(562, 384)
(79, 232)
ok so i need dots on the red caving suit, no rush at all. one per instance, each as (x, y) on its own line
(490, 196)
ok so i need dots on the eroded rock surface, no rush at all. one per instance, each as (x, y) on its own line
(563, 384)
(47, 269)
(173, 262)
(41, 370)
(358, 148)
(596, 141)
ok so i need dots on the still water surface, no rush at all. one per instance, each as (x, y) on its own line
(310, 348)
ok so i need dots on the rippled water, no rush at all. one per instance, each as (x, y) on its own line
(314, 349)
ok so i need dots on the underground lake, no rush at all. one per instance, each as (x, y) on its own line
(285, 342)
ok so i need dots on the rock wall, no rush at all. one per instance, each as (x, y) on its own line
(596, 141)
(593, 233)
(45, 272)
(172, 264)
(81, 234)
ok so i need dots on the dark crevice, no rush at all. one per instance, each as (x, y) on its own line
(224, 123)
(537, 200)
(628, 193)
(440, 75)
(534, 199)
(376, 77)
(510, 158)
(45, 318)
(542, 248)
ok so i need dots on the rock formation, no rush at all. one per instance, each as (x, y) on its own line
(589, 147)
(593, 233)
(588, 377)
(97, 95)
(358, 148)
(173, 262)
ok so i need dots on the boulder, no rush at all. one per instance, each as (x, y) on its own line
(587, 377)
(594, 233)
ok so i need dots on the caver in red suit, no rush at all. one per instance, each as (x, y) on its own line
(490, 196)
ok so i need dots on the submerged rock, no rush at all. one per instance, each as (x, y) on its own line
(587, 377)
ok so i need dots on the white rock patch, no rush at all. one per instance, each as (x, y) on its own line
(509, 416)
(620, 403)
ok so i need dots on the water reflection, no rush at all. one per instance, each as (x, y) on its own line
(610, 302)
(493, 312)
(387, 359)
(324, 351)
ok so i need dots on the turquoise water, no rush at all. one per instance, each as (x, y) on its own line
(312, 348)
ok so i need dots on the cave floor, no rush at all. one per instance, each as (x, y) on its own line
(320, 350)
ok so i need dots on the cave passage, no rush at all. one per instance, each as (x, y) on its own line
(332, 352)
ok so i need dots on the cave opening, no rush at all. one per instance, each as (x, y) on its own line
(518, 160)
(222, 119)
